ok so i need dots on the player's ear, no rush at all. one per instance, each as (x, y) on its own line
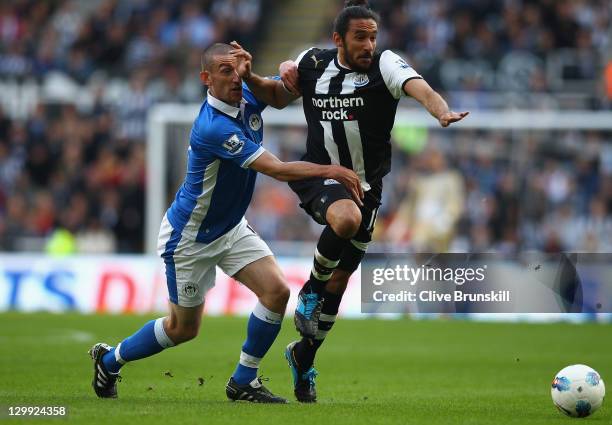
(205, 77)
(337, 40)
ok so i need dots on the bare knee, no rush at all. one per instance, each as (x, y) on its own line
(344, 217)
(181, 332)
(279, 294)
(276, 296)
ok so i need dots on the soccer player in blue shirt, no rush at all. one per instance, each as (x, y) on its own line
(205, 227)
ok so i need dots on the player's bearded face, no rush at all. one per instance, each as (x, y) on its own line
(224, 81)
(359, 44)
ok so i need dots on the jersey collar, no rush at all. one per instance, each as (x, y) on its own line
(340, 66)
(220, 105)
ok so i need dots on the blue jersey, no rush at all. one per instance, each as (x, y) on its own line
(218, 186)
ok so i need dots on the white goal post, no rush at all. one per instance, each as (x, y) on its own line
(162, 115)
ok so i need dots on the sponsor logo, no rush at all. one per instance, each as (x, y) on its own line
(255, 122)
(361, 80)
(316, 61)
(339, 107)
(327, 182)
(233, 145)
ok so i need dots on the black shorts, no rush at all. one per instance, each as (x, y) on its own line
(317, 194)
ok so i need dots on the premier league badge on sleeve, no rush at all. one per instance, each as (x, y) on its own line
(233, 145)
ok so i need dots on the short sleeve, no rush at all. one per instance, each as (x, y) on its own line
(395, 72)
(301, 56)
(250, 97)
(228, 142)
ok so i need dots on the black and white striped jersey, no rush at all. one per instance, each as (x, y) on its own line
(350, 114)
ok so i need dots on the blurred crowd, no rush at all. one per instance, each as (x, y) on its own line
(516, 46)
(81, 38)
(80, 169)
(72, 173)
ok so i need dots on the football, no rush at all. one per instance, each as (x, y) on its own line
(578, 391)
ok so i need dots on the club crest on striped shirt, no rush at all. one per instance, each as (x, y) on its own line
(361, 80)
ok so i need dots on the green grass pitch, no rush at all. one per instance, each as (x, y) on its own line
(371, 372)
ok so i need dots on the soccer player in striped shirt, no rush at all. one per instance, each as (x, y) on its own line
(350, 97)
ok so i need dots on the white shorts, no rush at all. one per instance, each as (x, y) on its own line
(191, 266)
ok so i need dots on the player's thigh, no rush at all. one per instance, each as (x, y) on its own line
(190, 266)
(250, 261)
(264, 277)
(318, 195)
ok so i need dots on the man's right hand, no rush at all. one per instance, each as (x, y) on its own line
(288, 72)
(349, 179)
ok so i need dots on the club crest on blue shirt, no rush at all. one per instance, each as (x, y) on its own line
(361, 80)
(233, 145)
(255, 122)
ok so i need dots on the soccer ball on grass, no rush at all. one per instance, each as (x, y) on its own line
(578, 391)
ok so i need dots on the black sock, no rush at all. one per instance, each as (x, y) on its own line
(326, 258)
(306, 350)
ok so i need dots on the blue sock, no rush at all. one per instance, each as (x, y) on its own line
(262, 329)
(149, 340)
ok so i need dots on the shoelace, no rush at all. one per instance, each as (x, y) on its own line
(261, 379)
(310, 375)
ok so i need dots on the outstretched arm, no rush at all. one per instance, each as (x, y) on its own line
(432, 101)
(267, 90)
(270, 165)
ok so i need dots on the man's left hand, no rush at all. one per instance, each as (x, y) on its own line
(450, 117)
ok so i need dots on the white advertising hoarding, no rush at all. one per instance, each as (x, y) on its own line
(129, 284)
